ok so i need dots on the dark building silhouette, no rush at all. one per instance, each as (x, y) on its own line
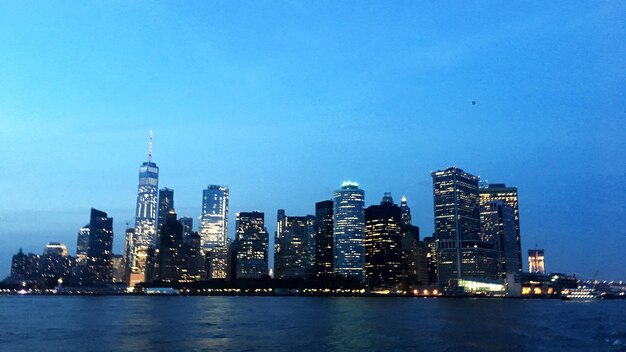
(383, 244)
(55, 263)
(497, 221)
(294, 244)
(251, 247)
(461, 253)
(166, 203)
(323, 228)
(499, 191)
(99, 253)
(25, 266)
(178, 258)
(430, 247)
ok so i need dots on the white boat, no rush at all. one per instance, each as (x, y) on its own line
(580, 294)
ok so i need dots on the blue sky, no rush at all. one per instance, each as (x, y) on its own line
(282, 101)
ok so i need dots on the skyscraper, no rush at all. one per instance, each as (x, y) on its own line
(383, 244)
(460, 251)
(324, 238)
(294, 246)
(405, 212)
(100, 251)
(145, 232)
(178, 258)
(82, 244)
(166, 203)
(499, 191)
(214, 229)
(252, 242)
(348, 231)
(55, 263)
(536, 263)
(497, 222)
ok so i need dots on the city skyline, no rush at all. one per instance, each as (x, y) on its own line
(525, 95)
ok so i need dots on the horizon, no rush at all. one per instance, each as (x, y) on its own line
(283, 108)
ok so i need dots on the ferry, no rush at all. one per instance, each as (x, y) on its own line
(580, 294)
(161, 291)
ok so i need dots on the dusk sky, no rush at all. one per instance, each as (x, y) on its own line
(282, 101)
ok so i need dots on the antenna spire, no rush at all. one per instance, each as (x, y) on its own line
(150, 148)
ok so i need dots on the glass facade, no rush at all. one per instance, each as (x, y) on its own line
(457, 219)
(349, 232)
(383, 244)
(251, 246)
(166, 203)
(214, 229)
(294, 244)
(498, 227)
(324, 238)
(144, 234)
(100, 250)
(509, 196)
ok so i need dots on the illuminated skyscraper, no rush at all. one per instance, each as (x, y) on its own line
(405, 212)
(461, 253)
(55, 263)
(100, 251)
(348, 231)
(383, 244)
(324, 238)
(82, 244)
(509, 196)
(497, 222)
(536, 262)
(251, 246)
(214, 229)
(145, 218)
(294, 246)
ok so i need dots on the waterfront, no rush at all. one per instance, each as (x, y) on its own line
(162, 323)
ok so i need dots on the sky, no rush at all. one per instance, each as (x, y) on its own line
(282, 101)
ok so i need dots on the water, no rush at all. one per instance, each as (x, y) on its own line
(178, 323)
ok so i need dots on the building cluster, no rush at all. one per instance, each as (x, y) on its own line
(476, 246)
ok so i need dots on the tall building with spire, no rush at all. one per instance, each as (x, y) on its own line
(144, 235)
(405, 212)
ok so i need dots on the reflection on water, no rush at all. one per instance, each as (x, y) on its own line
(142, 323)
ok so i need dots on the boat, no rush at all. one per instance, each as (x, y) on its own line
(580, 294)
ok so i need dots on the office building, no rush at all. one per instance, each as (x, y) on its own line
(461, 253)
(145, 231)
(497, 222)
(55, 263)
(251, 246)
(323, 228)
(25, 266)
(383, 244)
(536, 262)
(405, 211)
(509, 195)
(213, 229)
(294, 244)
(100, 251)
(177, 258)
(349, 232)
(166, 203)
